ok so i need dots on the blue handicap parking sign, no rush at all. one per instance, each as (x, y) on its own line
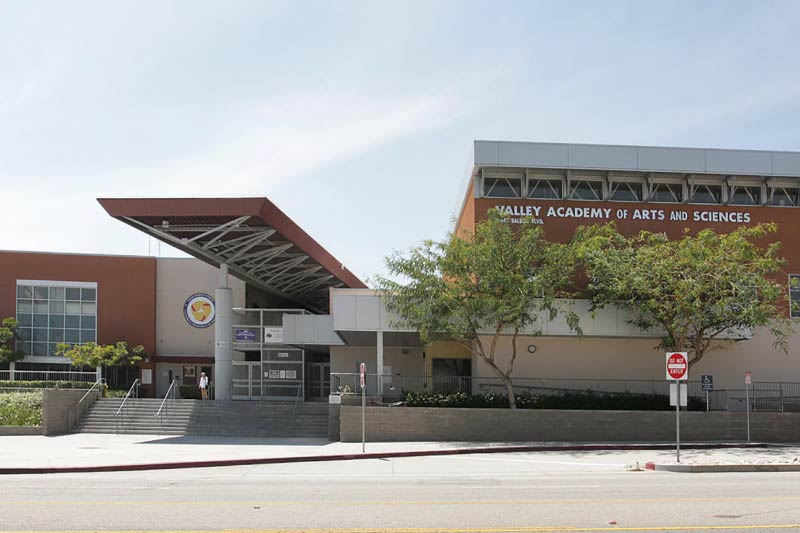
(708, 382)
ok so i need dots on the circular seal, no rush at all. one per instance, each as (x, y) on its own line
(199, 310)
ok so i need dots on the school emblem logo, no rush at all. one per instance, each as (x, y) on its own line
(199, 310)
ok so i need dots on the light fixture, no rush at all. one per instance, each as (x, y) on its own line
(531, 348)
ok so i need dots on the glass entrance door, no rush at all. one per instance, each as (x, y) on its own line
(319, 382)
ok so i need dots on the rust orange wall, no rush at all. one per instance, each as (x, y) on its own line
(562, 229)
(466, 220)
(126, 289)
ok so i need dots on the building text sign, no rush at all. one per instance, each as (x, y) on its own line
(539, 214)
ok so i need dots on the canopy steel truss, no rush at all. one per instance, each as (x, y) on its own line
(253, 251)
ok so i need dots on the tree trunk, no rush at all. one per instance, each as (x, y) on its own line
(504, 378)
(512, 400)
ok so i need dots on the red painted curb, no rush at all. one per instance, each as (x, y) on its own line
(358, 456)
(650, 465)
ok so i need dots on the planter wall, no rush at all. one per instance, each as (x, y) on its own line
(540, 425)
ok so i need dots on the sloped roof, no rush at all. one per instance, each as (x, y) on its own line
(259, 243)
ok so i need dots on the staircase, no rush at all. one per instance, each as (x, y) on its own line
(202, 418)
(138, 417)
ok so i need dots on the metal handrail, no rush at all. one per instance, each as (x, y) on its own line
(164, 407)
(296, 399)
(97, 383)
(120, 414)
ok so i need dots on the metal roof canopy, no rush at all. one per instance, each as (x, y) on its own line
(259, 243)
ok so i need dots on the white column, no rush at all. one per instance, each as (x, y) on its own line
(223, 336)
(380, 362)
(12, 367)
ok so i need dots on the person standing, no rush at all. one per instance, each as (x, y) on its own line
(203, 386)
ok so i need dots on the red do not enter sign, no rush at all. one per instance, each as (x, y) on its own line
(677, 365)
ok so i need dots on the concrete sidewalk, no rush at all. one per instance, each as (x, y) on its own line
(124, 451)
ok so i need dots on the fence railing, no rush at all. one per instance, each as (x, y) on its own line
(764, 396)
(48, 375)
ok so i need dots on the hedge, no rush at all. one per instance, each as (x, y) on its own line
(589, 400)
(192, 392)
(21, 408)
(20, 384)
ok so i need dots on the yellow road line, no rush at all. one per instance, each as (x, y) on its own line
(390, 503)
(490, 529)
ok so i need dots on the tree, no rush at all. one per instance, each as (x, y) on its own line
(8, 341)
(496, 281)
(704, 291)
(93, 355)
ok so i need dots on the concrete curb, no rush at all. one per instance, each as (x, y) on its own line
(701, 469)
(360, 456)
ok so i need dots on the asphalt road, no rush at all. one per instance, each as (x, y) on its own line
(513, 492)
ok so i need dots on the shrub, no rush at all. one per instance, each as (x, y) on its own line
(20, 384)
(189, 392)
(589, 400)
(21, 408)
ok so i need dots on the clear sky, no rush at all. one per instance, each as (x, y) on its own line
(357, 118)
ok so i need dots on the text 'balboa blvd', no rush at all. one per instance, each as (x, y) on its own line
(537, 214)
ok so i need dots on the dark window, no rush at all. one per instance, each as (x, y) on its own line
(88, 295)
(794, 295)
(544, 189)
(626, 191)
(40, 292)
(785, 197)
(706, 194)
(586, 190)
(25, 292)
(667, 192)
(745, 196)
(502, 187)
(73, 294)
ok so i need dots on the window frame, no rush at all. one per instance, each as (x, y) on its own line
(630, 183)
(53, 334)
(508, 178)
(577, 179)
(653, 184)
(773, 188)
(697, 186)
(792, 278)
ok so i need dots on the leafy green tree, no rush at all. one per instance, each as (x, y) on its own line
(8, 341)
(704, 291)
(497, 281)
(93, 355)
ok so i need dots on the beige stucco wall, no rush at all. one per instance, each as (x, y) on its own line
(609, 358)
(595, 358)
(347, 358)
(176, 280)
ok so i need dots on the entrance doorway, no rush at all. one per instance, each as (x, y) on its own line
(319, 381)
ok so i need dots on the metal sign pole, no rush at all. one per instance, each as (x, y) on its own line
(363, 376)
(363, 419)
(707, 401)
(678, 423)
(747, 405)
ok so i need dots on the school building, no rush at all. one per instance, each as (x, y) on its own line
(269, 314)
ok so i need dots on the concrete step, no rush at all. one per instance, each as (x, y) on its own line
(196, 417)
